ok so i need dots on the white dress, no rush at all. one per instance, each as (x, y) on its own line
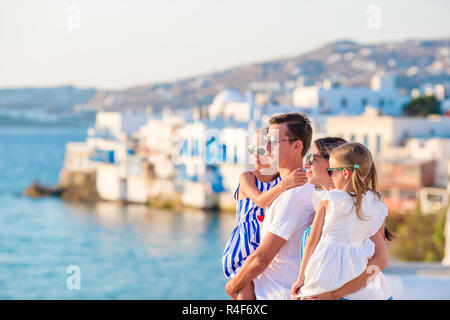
(345, 248)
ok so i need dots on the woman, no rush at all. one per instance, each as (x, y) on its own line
(316, 171)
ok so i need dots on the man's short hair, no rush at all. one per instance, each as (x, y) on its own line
(299, 127)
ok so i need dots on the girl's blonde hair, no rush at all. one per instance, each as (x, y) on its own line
(357, 158)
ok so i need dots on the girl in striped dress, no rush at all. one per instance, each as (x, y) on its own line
(255, 192)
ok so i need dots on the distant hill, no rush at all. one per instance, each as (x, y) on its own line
(45, 106)
(53, 99)
(415, 62)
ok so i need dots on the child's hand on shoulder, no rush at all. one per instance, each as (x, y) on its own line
(295, 178)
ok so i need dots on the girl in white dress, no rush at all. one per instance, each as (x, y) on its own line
(338, 249)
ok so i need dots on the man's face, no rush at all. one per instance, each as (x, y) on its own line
(280, 149)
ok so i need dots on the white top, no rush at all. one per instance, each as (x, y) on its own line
(316, 197)
(288, 216)
(344, 247)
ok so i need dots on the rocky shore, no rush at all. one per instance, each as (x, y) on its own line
(72, 186)
(81, 186)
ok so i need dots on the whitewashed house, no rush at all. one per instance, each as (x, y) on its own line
(380, 132)
(404, 140)
(336, 100)
(118, 169)
(209, 156)
(156, 145)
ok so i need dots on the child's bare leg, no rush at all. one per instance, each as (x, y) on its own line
(247, 292)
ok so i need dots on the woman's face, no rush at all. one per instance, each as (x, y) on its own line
(317, 171)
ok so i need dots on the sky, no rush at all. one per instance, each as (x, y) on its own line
(112, 44)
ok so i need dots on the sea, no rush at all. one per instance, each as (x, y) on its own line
(54, 249)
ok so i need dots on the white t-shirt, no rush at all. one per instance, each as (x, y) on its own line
(287, 217)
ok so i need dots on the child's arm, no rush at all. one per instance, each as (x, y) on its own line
(311, 243)
(265, 199)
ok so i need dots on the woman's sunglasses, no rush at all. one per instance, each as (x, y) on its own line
(260, 151)
(331, 171)
(312, 157)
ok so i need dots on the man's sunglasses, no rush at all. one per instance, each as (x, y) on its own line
(272, 140)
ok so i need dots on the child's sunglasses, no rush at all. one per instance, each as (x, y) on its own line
(331, 171)
(260, 151)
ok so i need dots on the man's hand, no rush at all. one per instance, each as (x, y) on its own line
(255, 264)
(230, 290)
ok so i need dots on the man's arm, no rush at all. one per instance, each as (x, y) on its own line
(256, 263)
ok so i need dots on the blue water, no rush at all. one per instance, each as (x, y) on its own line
(123, 252)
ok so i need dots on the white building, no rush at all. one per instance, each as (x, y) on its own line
(209, 157)
(336, 100)
(380, 133)
(77, 157)
(230, 104)
(156, 145)
(402, 140)
(440, 90)
(118, 170)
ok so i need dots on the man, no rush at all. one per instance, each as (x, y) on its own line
(274, 266)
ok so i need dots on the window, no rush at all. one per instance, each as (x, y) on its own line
(434, 197)
(408, 194)
(195, 150)
(385, 193)
(366, 141)
(378, 144)
(364, 102)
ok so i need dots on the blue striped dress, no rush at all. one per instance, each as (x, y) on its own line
(245, 238)
(305, 236)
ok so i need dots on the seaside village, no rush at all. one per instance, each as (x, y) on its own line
(194, 157)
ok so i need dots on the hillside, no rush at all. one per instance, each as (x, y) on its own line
(352, 64)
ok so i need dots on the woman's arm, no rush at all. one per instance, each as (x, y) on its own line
(376, 264)
(265, 199)
(311, 243)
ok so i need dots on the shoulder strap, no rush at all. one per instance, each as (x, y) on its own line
(236, 193)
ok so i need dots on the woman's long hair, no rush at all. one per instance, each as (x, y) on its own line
(358, 159)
